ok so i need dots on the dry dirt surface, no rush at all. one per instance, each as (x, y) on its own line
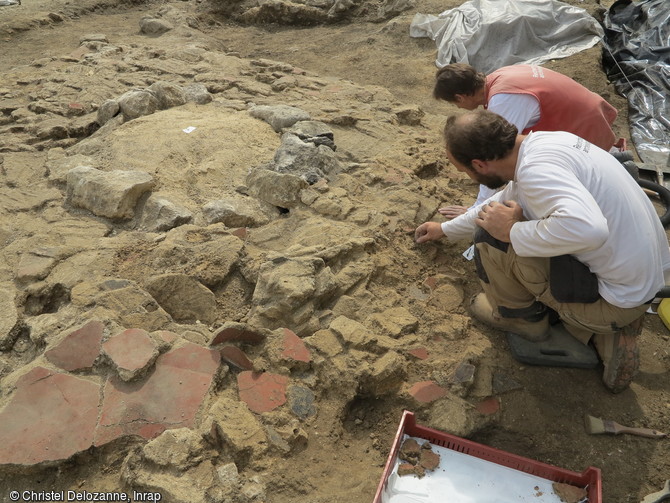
(366, 60)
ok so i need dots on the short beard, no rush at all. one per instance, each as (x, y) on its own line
(491, 181)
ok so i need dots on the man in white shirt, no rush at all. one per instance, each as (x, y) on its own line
(530, 97)
(571, 231)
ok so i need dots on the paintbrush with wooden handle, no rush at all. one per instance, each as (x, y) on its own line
(595, 425)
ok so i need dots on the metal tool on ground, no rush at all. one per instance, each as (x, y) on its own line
(596, 426)
(656, 169)
(657, 497)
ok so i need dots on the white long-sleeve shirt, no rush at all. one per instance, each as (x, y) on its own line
(579, 200)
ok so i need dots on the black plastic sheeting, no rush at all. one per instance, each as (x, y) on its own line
(637, 60)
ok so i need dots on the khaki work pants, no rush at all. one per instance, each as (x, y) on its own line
(515, 283)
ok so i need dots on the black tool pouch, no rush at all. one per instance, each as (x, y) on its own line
(572, 281)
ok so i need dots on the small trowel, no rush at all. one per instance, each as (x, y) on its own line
(595, 426)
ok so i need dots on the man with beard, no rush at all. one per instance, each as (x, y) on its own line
(571, 232)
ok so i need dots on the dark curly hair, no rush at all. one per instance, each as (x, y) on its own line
(479, 135)
(457, 78)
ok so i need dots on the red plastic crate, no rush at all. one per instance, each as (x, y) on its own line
(589, 478)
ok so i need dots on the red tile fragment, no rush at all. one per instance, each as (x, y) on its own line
(294, 347)
(489, 406)
(78, 350)
(236, 357)
(262, 392)
(430, 282)
(240, 233)
(427, 391)
(169, 398)
(420, 353)
(50, 417)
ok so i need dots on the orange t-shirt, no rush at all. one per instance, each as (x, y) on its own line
(565, 105)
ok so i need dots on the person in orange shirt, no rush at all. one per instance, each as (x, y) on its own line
(530, 97)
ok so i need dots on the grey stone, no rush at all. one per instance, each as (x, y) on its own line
(169, 95)
(278, 189)
(136, 103)
(502, 383)
(107, 110)
(301, 401)
(197, 93)
(276, 440)
(306, 159)
(154, 26)
(9, 318)
(111, 194)
(279, 116)
(228, 475)
(160, 214)
(316, 132)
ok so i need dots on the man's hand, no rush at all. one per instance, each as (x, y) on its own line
(498, 218)
(452, 211)
(429, 231)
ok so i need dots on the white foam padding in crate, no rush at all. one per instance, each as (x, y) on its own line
(461, 478)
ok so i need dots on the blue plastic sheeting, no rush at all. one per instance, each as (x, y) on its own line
(489, 34)
(637, 61)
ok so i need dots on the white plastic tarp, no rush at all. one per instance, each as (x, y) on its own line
(489, 34)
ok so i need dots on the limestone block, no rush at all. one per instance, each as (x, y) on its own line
(184, 297)
(242, 433)
(279, 116)
(238, 211)
(388, 374)
(110, 194)
(281, 190)
(160, 214)
(394, 322)
(353, 333)
(454, 415)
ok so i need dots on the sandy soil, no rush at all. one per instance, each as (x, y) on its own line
(542, 420)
